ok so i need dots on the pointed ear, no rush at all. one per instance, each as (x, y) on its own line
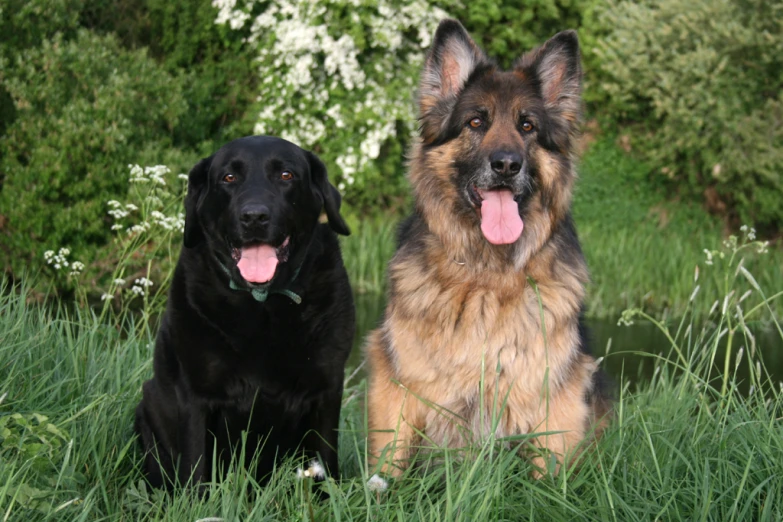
(451, 60)
(557, 65)
(327, 193)
(197, 187)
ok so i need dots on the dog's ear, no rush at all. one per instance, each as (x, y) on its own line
(557, 65)
(328, 194)
(451, 60)
(197, 187)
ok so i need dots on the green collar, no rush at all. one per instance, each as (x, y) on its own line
(261, 291)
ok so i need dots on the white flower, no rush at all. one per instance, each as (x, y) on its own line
(107, 297)
(315, 470)
(137, 290)
(143, 282)
(377, 484)
(119, 281)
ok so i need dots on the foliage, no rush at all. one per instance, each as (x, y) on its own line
(698, 85)
(84, 108)
(25, 23)
(215, 69)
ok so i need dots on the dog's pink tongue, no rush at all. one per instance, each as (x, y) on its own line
(258, 263)
(500, 221)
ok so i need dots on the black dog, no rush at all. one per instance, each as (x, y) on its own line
(259, 322)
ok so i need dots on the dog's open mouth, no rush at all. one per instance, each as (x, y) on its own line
(257, 262)
(499, 212)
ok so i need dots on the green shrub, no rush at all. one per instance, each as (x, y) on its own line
(699, 86)
(85, 109)
(216, 70)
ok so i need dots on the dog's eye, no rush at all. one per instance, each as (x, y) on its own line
(476, 123)
(527, 126)
(229, 178)
(286, 176)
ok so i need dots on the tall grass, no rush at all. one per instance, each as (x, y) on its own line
(687, 445)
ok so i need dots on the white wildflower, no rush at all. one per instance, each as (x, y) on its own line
(143, 282)
(107, 297)
(119, 281)
(377, 484)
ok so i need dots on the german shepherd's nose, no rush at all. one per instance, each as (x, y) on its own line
(254, 214)
(505, 163)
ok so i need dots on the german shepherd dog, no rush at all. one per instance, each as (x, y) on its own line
(487, 284)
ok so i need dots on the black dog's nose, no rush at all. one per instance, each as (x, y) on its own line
(505, 163)
(255, 215)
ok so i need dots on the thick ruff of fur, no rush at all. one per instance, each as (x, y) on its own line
(463, 311)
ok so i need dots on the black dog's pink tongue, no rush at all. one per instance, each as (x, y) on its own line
(258, 263)
(500, 221)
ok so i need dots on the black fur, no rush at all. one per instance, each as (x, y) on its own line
(225, 362)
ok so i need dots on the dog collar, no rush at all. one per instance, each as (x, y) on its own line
(260, 292)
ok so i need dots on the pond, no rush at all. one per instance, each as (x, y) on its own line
(632, 350)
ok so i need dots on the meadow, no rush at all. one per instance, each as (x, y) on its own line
(682, 446)
(700, 440)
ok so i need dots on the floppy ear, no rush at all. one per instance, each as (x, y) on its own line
(557, 66)
(451, 60)
(328, 193)
(197, 186)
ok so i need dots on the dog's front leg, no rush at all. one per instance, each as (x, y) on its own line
(191, 435)
(320, 442)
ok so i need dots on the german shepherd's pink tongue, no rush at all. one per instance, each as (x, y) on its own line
(500, 221)
(258, 263)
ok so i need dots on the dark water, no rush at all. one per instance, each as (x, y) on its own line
(630, 352)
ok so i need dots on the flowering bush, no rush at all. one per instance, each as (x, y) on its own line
(338, 77)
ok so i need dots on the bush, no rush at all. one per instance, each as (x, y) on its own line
(216, 70)
(699, 85)
(85, 108)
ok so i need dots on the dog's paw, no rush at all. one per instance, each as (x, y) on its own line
(315, 470)
(377, 483)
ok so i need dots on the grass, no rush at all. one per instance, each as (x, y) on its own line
(686, 445)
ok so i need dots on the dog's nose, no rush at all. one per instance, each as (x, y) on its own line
(255, 215)
(505, 163)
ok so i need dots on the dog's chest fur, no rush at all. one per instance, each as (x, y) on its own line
(480, 332)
